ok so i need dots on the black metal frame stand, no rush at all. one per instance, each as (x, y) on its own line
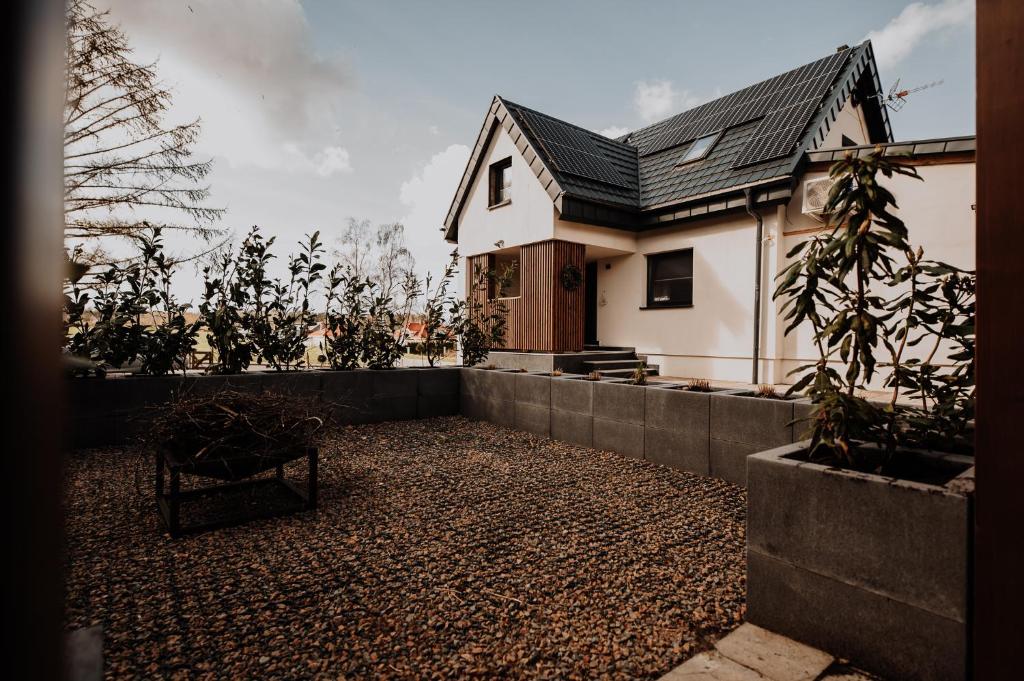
(169, 503)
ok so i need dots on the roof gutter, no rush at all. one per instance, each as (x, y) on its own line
(756, 352)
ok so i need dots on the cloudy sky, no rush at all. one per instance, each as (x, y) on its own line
(322, 110)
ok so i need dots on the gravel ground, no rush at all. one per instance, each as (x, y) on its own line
(441, 549)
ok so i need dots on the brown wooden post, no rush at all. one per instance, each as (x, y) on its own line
(34, 413)
(999, 508)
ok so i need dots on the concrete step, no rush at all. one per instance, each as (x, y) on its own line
(614, 363)
(625, 373)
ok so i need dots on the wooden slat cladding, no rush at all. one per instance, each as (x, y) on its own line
(545, 317)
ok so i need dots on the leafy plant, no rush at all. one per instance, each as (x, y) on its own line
(383, 332)
(640, 374)
(556, 372)
(344, 317)
(767, 391)
(437, 301)
(699, 385)
(480, 323)
(593, 376)
(134, 317)
(834, 285)
(224, 315)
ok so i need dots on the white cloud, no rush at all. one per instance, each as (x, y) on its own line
(917, 20)
(427, 196)
(655, 100)
(332, 160)
(249, 67)
(434, 130)
(613, 131)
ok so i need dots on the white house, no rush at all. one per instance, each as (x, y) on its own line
(680, 227)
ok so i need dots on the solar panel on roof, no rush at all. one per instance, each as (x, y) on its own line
(761, 99)
(572, 150)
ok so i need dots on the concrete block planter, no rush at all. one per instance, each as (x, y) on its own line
(488, 395)
(346, 393)
(533, 403)
(869, 568)
(113, 410)
(572, 410)
(619, 417)
(676, 428)
(438, 392)
(741, 425)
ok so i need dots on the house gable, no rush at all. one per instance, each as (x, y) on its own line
(498, 118)
(526, 218)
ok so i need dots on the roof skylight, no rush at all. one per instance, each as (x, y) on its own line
(700, 148)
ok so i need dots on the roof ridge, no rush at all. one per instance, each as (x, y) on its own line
(509, 102)
(848, 49)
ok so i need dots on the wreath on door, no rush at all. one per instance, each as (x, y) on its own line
(571, 277)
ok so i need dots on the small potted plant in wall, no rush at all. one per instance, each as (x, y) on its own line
(859, 538)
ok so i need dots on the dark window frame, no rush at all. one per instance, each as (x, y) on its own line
(652, 261)
(499, 183)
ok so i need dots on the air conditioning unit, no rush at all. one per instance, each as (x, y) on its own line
(816, 198)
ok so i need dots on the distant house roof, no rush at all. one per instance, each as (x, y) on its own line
(637, 181)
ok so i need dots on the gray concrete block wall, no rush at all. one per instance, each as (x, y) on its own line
(113, 411)
(741, 425)
(619, 417)
(533, 403)
(676, 429)
(865, 567)
(572, 410)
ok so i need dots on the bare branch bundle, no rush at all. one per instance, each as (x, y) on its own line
(238, 432)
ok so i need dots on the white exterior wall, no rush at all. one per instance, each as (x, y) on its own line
(939, 216)
(714, 337)
(528, 218)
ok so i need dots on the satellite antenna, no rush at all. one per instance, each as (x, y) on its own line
(897, 96)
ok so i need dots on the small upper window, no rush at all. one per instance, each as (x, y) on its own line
(700, 148)
(847, 142)
(501, 182)
(670, 279)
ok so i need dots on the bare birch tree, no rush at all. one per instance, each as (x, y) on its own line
(125, 170)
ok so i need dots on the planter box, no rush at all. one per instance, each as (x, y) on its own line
(619, 417)
(488, 395)
(866, 567)
(347, 394)
(676, 429)
(742, 425)
(533, 403)
(572, 410)
(438, 392)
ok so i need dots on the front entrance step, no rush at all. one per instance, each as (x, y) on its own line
(619, 368)
(624, 373)
(602, 348)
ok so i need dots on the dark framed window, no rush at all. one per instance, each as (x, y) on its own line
(847, 142)
(670, 279)
(501, 182)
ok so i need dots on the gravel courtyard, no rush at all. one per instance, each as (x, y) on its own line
(441, 549)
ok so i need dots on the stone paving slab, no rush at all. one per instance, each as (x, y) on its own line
(773, 656)
(712, 666)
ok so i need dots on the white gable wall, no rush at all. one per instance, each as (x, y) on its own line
(528, 218)
(849, 122)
